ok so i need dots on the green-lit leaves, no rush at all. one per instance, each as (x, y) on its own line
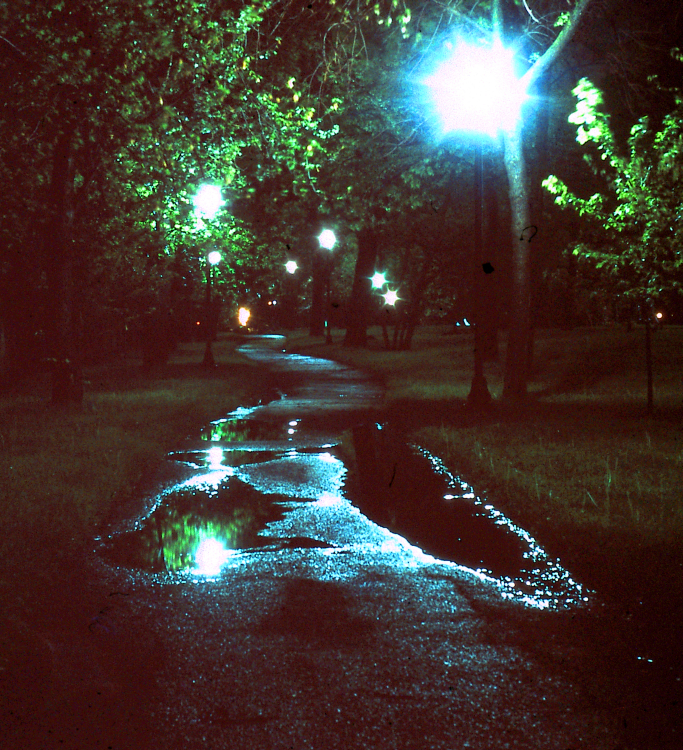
(641, 241)
(593, 123)
(562, 20)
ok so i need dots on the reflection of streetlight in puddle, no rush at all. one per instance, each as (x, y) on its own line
(215, 457)
(210, 556)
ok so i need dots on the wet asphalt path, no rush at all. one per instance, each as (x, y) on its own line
(336, 633)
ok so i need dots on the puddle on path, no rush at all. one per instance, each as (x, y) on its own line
(261, 463)
(410, 491)
(195, 527)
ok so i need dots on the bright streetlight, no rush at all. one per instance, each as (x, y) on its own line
(214, 257)
(208, 201)
(476, 90)
(391, 297)
(378, 280)
(291, 266)
(327, 239)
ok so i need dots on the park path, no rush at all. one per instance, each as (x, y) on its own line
(331, 632)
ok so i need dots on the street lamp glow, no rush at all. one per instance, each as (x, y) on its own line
(291, 266)
(243, 316)
(378, 280)
(214, 257)
(208, 201)
(391, 297)
(327, 239)
(476, 89)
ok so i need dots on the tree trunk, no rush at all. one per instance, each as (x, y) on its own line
(359, 303)
(647, 314)
(67, 381)
(519, 330)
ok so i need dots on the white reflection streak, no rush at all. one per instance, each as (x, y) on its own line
(553, 573)
(215, 456)
(209, 481)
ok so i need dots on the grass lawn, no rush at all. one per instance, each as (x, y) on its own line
(584, 467)
(62, 471)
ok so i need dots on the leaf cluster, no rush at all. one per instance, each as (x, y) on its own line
(639, 249)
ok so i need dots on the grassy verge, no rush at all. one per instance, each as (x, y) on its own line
(61, 471)
(584, 468)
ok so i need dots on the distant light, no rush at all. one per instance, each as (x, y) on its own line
(291, 266)
(327, 239)
(378, 280)
(210, 557)
(391, 298)
(214, 257)
(243, 316)
(208, 201)
(660, 315)
(476, 89)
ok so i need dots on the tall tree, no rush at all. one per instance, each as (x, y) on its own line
(520, 332)
(162, 96)
(639, 252)
(541, 31)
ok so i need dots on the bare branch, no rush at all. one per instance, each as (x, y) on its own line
(530, 12)
(5, 39)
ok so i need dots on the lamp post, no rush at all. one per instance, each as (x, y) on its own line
(208, 200)
(290, 311)
(328, 240)
(212, 259)
(476, 90)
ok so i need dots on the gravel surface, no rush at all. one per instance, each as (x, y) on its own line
(336, 633)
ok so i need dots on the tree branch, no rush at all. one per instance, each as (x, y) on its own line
(562, 39)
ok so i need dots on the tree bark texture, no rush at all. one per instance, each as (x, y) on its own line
(67, 383)
(519, 323)
(647, 315)
(359, 303)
